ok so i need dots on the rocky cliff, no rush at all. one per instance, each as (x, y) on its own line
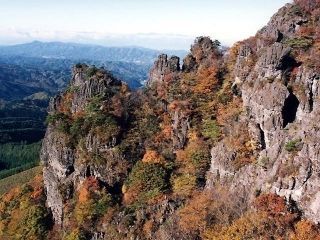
(280, 93)
(79, 113)
(225, 146)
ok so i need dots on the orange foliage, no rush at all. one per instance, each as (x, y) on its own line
(15, 217)
(250, 226)
(79, 114)
(64, 106)
(163, 136)
(148, 228)
(130, 195)
(91, 184)
(305, 230)
(181, 158)
(83, 195)
(233, 53)
(169, 77)
(276, 208)
(13, 193)
(194, 158)
(179, 105)
(206, 80)
(152, 156)
(37, 193)
(210, 208)
(271, 220)
(193, 215)
(166, 126)
(228, 113)
(167, 130)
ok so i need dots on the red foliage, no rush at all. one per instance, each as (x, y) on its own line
(91, 184)
(276, 209)
(271, 203)
(306, 31)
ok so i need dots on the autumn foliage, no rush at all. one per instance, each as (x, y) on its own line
(272, 219)
(23, 214)
(161, 186)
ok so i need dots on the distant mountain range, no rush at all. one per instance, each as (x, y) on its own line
(76, 51)
(26, 69)
(24, 76)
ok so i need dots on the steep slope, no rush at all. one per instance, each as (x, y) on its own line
(225, 146)
(278, 80)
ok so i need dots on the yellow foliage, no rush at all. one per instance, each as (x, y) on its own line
(194, 158)
(184, 185)
(193, 135)
(251, 226)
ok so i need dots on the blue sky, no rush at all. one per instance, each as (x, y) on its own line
(151, 23)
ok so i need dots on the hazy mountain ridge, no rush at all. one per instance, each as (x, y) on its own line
(34, 67)
(24, 76)
(77, 51)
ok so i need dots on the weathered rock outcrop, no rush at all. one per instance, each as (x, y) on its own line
(68, 161)
(284, 24)
(281, 108)
(180, 125)
(164, 68)
(203, 52)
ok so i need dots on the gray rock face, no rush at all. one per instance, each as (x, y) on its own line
(65, 165)
(189, 63)
(285, 23)
(180, 128)
(58, 161)
(203, 53)
(279, 115)
(86, 88)
(163, 67)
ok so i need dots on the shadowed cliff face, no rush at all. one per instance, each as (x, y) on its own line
(197, 147)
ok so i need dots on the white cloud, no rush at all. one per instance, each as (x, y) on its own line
(149, 40)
